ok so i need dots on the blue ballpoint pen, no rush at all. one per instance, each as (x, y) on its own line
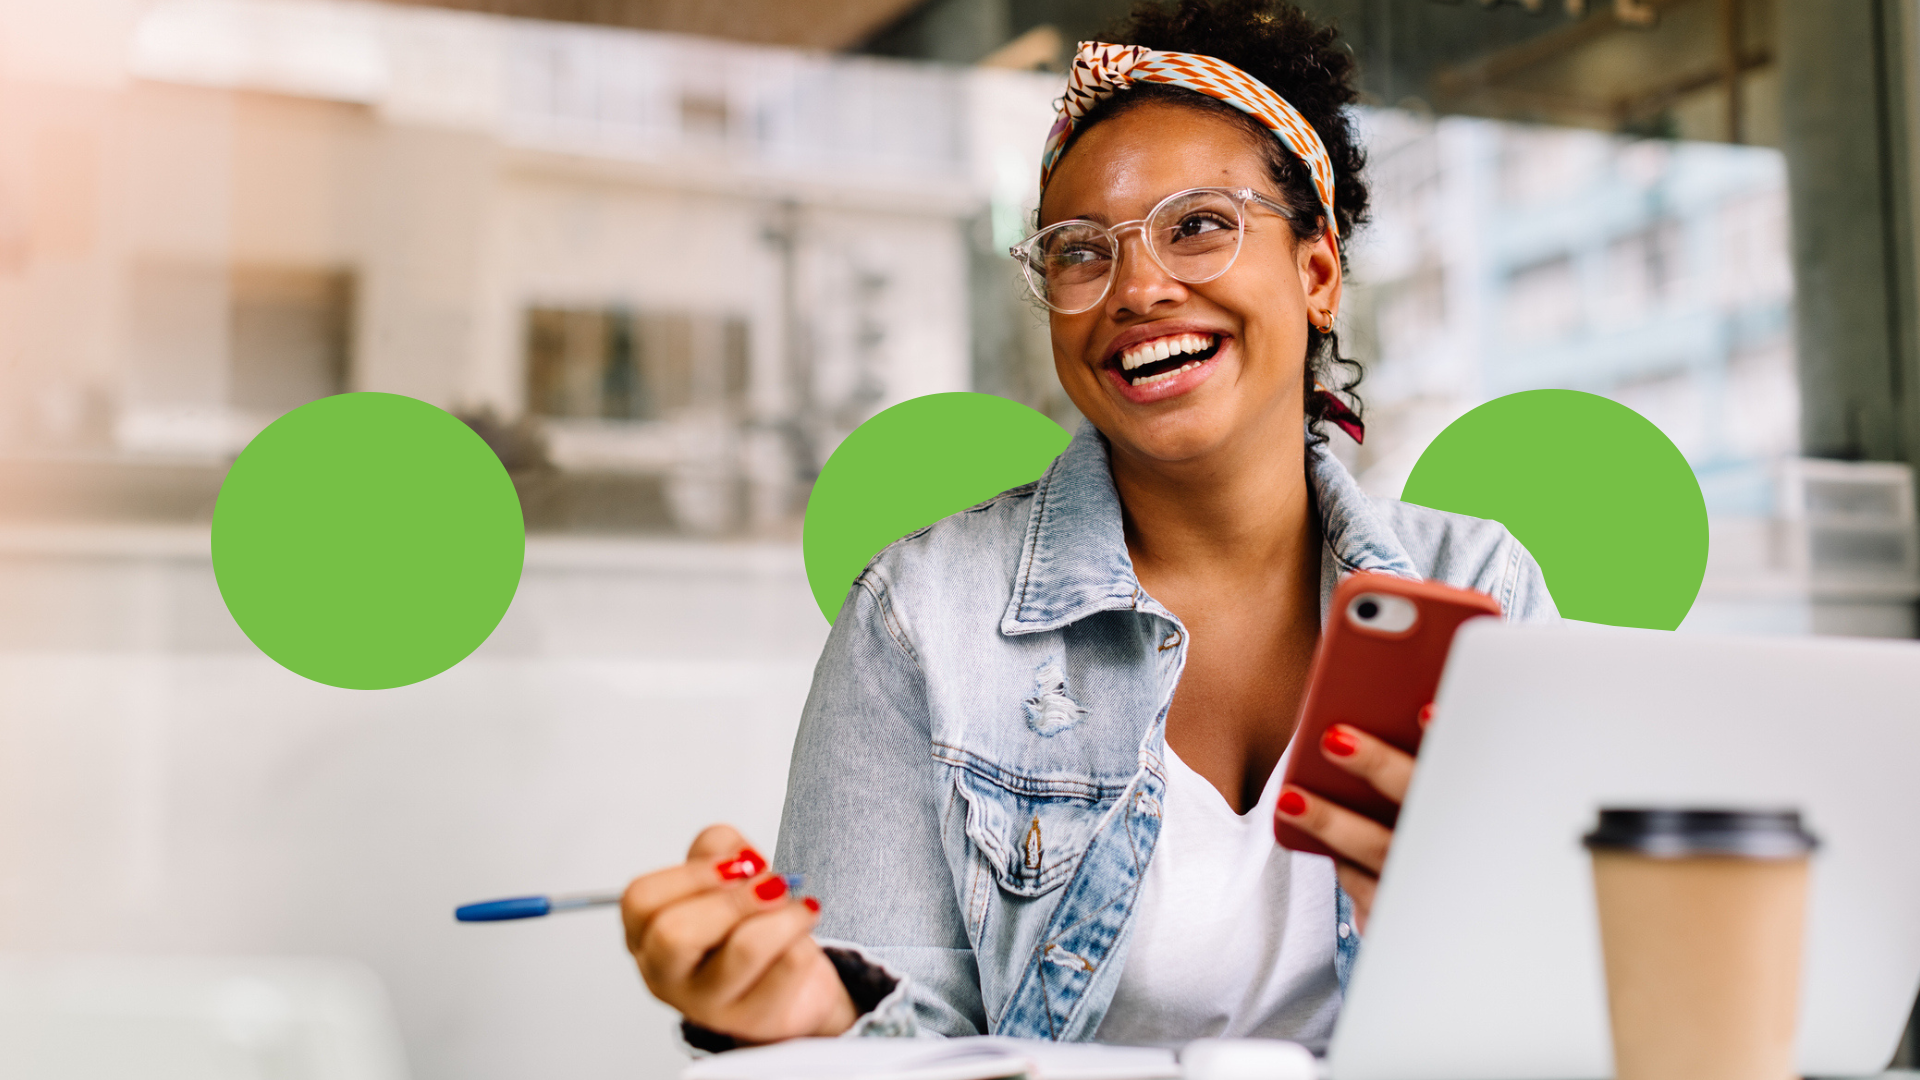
(532, 907)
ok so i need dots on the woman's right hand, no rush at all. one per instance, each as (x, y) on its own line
(725, 943)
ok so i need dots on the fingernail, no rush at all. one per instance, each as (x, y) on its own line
(748, 863)
(1339, 743)
(1426, 714)
(1291, 804)
(812, 905)
(771, 889)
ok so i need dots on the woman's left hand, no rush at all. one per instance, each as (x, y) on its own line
(1360, 843)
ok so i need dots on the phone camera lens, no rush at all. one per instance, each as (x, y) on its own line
(1367, 609)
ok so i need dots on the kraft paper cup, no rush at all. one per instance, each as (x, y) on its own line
(1701, 917)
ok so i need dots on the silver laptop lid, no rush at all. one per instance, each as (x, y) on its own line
(1482, 957)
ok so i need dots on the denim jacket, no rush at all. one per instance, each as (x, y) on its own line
(976, 785)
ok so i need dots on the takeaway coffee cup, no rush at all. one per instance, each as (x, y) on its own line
(1701, 914)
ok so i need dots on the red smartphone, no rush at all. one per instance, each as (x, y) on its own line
(1377, 665)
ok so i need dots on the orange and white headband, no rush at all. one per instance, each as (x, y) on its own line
(1101, 70)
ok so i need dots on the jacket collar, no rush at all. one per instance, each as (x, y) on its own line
(1074, 561)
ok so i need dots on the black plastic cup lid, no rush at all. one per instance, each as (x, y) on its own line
(1678, 833)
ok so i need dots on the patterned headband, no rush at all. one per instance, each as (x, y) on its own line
(1100, 70)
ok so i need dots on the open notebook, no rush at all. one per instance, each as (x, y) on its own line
(993, 1057)
(980, 1057)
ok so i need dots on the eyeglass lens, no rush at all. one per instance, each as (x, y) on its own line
(1194, 236)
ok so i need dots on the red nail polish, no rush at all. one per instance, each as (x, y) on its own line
(1339, 743)
(1291, 804)
(771, 889)
(812, 905)
(748, 863)
(1426, 714)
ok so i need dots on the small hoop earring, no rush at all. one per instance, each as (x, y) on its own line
(1328, 314)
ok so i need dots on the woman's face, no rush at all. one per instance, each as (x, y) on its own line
(1249, 325)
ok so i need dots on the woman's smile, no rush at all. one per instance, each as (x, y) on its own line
(1156, 362)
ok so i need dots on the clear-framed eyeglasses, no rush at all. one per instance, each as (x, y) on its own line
(1194, 235)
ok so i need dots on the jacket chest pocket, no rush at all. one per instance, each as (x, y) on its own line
(1032, 842)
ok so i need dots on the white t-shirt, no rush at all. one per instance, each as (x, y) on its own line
(1233, 935)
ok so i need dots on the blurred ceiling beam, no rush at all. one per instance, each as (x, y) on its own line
(1632, 69)
(1694, 69)
(815, 24)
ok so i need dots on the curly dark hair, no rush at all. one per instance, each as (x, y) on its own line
(1303, 62)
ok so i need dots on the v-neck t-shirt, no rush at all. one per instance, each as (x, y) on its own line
(1234, 935)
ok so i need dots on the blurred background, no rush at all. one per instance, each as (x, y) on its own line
(663, 255)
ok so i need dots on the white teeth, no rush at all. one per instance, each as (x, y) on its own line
(1161, 348)
(1165, 375)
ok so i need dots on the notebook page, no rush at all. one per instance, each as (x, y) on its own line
(985, 1057)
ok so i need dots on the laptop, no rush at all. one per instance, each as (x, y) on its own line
(1482, 954)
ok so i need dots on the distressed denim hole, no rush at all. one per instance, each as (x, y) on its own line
(1050, 711)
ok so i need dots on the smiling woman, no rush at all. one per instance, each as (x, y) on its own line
(1035, 781)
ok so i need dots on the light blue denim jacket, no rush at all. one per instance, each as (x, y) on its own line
(976, 785)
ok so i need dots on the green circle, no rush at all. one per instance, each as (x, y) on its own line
(908, 467)
(1598, 494)
(367, 541)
